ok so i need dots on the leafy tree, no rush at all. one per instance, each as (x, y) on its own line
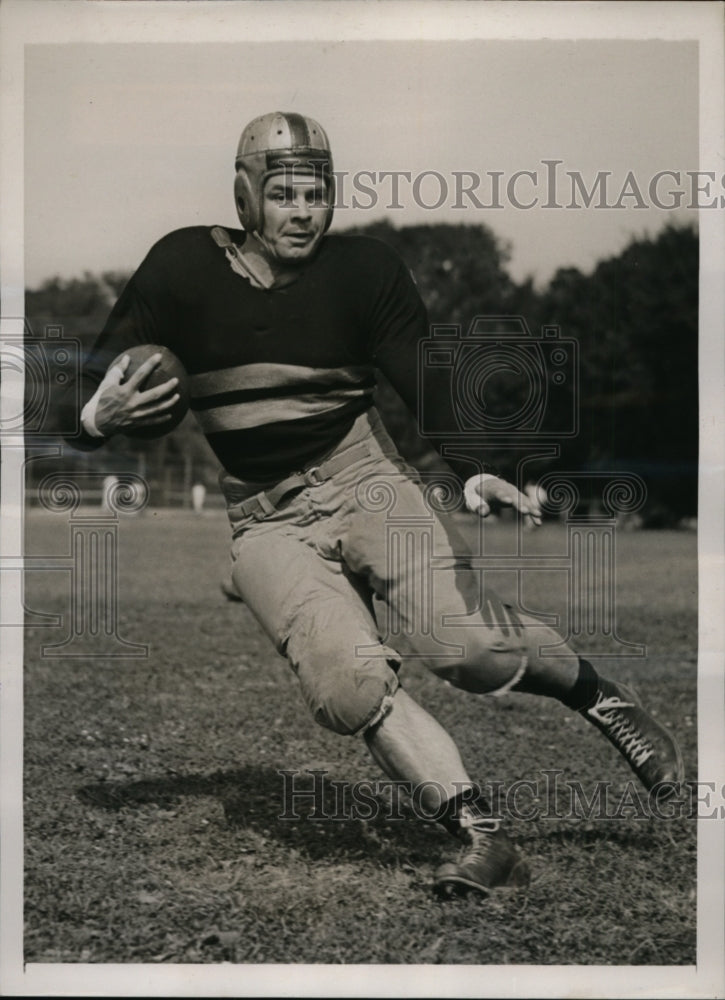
(635, 319)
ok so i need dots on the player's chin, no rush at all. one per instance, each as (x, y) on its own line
(298, 252)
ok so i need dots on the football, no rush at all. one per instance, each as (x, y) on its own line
(168, 367)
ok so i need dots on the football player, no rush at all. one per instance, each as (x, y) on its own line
(281, 327)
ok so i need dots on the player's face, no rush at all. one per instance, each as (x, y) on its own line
(295, 210)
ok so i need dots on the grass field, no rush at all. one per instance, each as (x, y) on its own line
(153, 792)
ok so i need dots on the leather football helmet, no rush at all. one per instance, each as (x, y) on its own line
(277, 143)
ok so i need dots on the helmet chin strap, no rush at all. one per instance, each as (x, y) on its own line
(266, 249)
(263, 268)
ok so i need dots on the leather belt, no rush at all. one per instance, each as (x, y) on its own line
(262, 504)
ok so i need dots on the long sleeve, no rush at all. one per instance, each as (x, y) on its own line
(405, 353)
(131, 322)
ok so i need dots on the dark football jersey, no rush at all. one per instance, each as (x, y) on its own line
(277, 376)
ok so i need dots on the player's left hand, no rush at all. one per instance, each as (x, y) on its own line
(484, 492)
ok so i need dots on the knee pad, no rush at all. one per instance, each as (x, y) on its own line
(349, 701)
(495, 653)
(345, 676)
(488, 673)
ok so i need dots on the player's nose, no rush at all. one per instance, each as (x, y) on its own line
(301, 209)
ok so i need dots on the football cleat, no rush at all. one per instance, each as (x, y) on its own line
(649, 749)
(488, 861)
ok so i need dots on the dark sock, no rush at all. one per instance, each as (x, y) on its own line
(449, 812)
(578, 697)
(584, 692)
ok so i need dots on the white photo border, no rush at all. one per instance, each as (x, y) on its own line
(59, 22)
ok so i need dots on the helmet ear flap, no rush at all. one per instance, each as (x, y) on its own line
(331, 195)
(247, 209)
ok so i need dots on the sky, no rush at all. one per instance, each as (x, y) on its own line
(125, 142)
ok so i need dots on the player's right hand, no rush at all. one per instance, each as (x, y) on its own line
(118, 404)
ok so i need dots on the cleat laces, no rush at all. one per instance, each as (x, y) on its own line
(478, 831)
(469, 821)
(487, 861)
(621, 731)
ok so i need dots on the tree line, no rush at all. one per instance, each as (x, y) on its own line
(631, 404)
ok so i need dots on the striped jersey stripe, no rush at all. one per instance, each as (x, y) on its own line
(266, 375)
(241, 416)
(254, 395)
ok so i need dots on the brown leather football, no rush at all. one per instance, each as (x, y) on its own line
(168, 367)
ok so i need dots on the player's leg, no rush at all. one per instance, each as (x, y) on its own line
(315, 616)
(613, 708)
(319, 616)
(498, 651)
(496, 648)
(410, 745)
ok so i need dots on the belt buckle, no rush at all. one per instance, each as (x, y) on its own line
(313, 476)
(264, 509)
